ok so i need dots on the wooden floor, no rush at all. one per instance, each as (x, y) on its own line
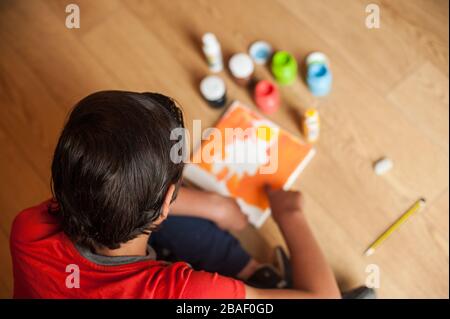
(390, 98)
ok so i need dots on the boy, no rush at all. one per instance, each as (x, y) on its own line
(114, 184)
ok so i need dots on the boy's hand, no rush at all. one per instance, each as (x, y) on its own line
(228, 214)
(284, 203)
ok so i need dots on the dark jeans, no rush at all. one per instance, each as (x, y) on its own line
(200, 243)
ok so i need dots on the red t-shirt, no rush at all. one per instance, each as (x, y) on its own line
(41, 252)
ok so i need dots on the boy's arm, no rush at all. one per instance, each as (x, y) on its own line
(223, 211)
(312, 276)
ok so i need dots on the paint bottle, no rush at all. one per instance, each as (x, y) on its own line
(318, 74)
(213, 52)
(241, 67)
(311, 125)
(284, 67)
(260, 52)
(267, 97)
(214, 91)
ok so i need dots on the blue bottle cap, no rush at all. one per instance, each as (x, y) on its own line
(260, 51)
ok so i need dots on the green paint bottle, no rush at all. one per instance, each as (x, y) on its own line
(284, 67)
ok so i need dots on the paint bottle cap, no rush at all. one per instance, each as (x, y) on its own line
(317, 57)
(241, 66)
(266, 96)
(311, 114)
(284, 67)
(260, 51)
(212, 88)
(209, 39)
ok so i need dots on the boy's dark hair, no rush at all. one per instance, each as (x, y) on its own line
(112, 168)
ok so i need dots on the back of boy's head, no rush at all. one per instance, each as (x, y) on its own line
(112, 168)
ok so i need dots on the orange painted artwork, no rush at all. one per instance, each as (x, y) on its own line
(243, 153)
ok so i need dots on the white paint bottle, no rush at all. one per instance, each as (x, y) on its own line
(213, 52)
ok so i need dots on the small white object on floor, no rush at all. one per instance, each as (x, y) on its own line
(383, 165)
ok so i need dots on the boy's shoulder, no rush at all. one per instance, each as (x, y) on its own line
(33, 223)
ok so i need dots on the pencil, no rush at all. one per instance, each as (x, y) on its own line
(418, 205)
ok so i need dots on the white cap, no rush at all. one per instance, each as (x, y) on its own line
(316, 57)
(209, 39)
(212, 88)
(383, 165)
(241, 65)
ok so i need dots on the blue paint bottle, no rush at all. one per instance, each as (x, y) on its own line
(318, 74)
